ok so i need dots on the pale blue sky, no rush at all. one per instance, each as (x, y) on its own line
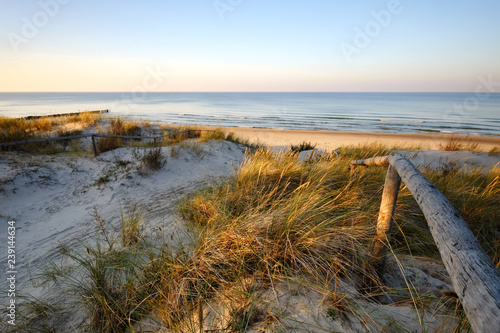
(293, 45)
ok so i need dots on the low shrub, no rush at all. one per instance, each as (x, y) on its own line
(303, 146)
(107, 144)
(153, 159)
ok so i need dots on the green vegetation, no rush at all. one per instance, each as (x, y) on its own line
(153, 159)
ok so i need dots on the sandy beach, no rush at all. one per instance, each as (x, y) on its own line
(328, 140)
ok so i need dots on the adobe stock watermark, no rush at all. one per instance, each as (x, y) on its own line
(485, 87)
(150, 82)
(32, 26)
(224, 6)
(371, 30)
(11, 272)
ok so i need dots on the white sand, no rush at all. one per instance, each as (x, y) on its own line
(51, 197)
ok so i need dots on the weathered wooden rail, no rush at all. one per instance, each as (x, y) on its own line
(475, 278)
(97, 135)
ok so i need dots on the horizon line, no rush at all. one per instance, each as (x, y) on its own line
(259, 92)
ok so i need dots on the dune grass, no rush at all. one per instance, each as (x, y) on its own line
(278, 219)
(117, 126)
(303, 146)
(19, 129)
(455, 143)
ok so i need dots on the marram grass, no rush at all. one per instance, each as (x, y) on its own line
(278, 218)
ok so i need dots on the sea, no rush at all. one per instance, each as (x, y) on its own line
(452, 113)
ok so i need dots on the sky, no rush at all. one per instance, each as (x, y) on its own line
(249, 45)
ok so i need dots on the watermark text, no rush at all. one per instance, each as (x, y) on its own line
(372, 29)
(32, 26)
(11, 272)
(224, 6)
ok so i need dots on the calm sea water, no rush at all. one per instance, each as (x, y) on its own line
(463, 113)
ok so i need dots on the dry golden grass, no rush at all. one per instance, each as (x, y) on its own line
(19, 129)
(278, 218)
(117, 126)
(216, 134)
(495, 151)
(455, 143)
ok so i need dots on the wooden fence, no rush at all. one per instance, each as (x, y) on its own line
(93, 136)
(475, 278)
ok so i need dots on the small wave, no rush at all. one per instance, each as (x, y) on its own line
(428, 130)
(401, 121)
(336, 118)
(229, 117)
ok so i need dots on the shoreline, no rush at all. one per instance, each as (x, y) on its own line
(329, 140)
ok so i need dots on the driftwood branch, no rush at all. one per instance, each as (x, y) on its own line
(475, 278)
(386, 215)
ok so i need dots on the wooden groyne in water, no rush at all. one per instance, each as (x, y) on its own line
(63, 114)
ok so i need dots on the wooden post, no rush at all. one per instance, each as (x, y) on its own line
(475, 278)
(386, 216)
(94, 146)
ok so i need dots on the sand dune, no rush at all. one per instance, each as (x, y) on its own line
(51, 198)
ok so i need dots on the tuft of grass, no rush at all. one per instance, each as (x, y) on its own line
(107, 144)
(338, 305)
(231, 137)
(106, 279)
(455, 143)
(359, 152)
(153, 159)
(217, 134)
(120, 126)
(131, 224)
(303, 146)
(494, 151)
(35, 315)
(117, 126)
